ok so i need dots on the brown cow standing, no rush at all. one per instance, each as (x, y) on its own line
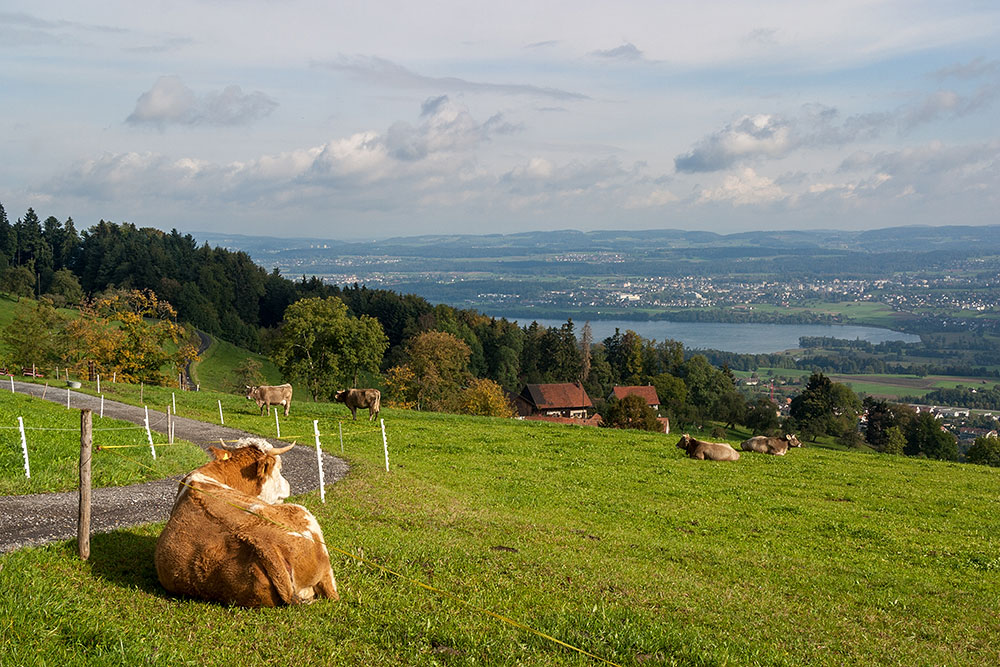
(361, 398)
(714, 451)
(768, 445)
(266, 396)
(231, 539)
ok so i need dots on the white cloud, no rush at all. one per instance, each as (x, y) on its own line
(749, 137)
(653, 199)
(170, 102)
(743, 189)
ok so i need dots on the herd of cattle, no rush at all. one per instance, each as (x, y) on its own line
(231, 537)
(720, 451)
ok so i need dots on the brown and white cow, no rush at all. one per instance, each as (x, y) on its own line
(769, 445)
(361, 398)
(231, 539)
(713, 451)
(266, 396)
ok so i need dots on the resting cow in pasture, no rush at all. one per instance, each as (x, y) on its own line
(266, 396)
(361, 398)
(768, 445)
(231, 539)
(713, 451)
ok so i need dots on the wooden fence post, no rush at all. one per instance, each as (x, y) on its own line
(86, 446)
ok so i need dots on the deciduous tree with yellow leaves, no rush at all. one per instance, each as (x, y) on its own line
(132, 333)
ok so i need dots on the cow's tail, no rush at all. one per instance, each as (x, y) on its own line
(378, 402)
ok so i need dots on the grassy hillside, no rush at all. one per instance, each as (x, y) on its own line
(608, 540)
(215, 369)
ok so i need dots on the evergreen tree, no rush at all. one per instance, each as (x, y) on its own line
(8, 238)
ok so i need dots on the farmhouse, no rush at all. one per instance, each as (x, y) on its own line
(647, 392)
(565, 399)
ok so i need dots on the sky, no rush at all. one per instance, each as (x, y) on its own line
(365, 120)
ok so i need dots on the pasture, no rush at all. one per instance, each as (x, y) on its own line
(610, 541)
(214, 369)
(53, 438)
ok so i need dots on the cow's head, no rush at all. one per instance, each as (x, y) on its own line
(341, 396)
(250, 392)
(253, 468)
(792, 440)
(685, 442)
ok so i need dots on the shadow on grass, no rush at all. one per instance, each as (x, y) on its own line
(124, 558)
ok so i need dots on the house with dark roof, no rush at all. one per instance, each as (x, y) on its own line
(647, 392)
(564, 399)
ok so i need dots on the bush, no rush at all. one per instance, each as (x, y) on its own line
(631, 412)
(984, 451)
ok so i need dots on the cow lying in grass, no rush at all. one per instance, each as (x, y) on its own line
(768, 445)
(713, 451)
(231, 539)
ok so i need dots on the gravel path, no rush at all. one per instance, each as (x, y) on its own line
(37, 519)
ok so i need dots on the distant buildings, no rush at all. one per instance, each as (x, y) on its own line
(564, 399)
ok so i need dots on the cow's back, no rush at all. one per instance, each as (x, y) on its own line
(214, 550)
(720, 451)
(765, 445)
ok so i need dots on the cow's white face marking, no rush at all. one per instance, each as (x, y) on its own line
(275, 489)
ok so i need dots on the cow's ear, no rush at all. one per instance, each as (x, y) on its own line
(219, 454)
(264, 467)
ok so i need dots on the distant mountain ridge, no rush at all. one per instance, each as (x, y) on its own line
(975, 239)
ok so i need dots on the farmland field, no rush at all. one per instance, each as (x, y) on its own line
(608, 540)
(53, 441)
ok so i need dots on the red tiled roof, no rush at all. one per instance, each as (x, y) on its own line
(648, 392)
(558, 396)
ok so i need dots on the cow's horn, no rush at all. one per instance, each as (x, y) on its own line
(281, 450)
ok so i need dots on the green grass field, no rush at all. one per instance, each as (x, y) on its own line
(214, 370)
(52, 434)
(611, 541)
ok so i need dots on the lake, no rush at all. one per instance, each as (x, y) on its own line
(742, 338)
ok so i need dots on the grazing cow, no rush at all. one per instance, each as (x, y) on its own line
(714, 451)
(231, 539)
(361, 398)
(767, 445)
(267, 396)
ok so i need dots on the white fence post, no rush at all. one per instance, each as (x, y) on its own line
(385, 445)
(149, 434)
(277, 426)
(221, 420)
(319, 462)
(173, 401)
(98, 383)
(24, 448)
(12, 384)
(102, 406)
